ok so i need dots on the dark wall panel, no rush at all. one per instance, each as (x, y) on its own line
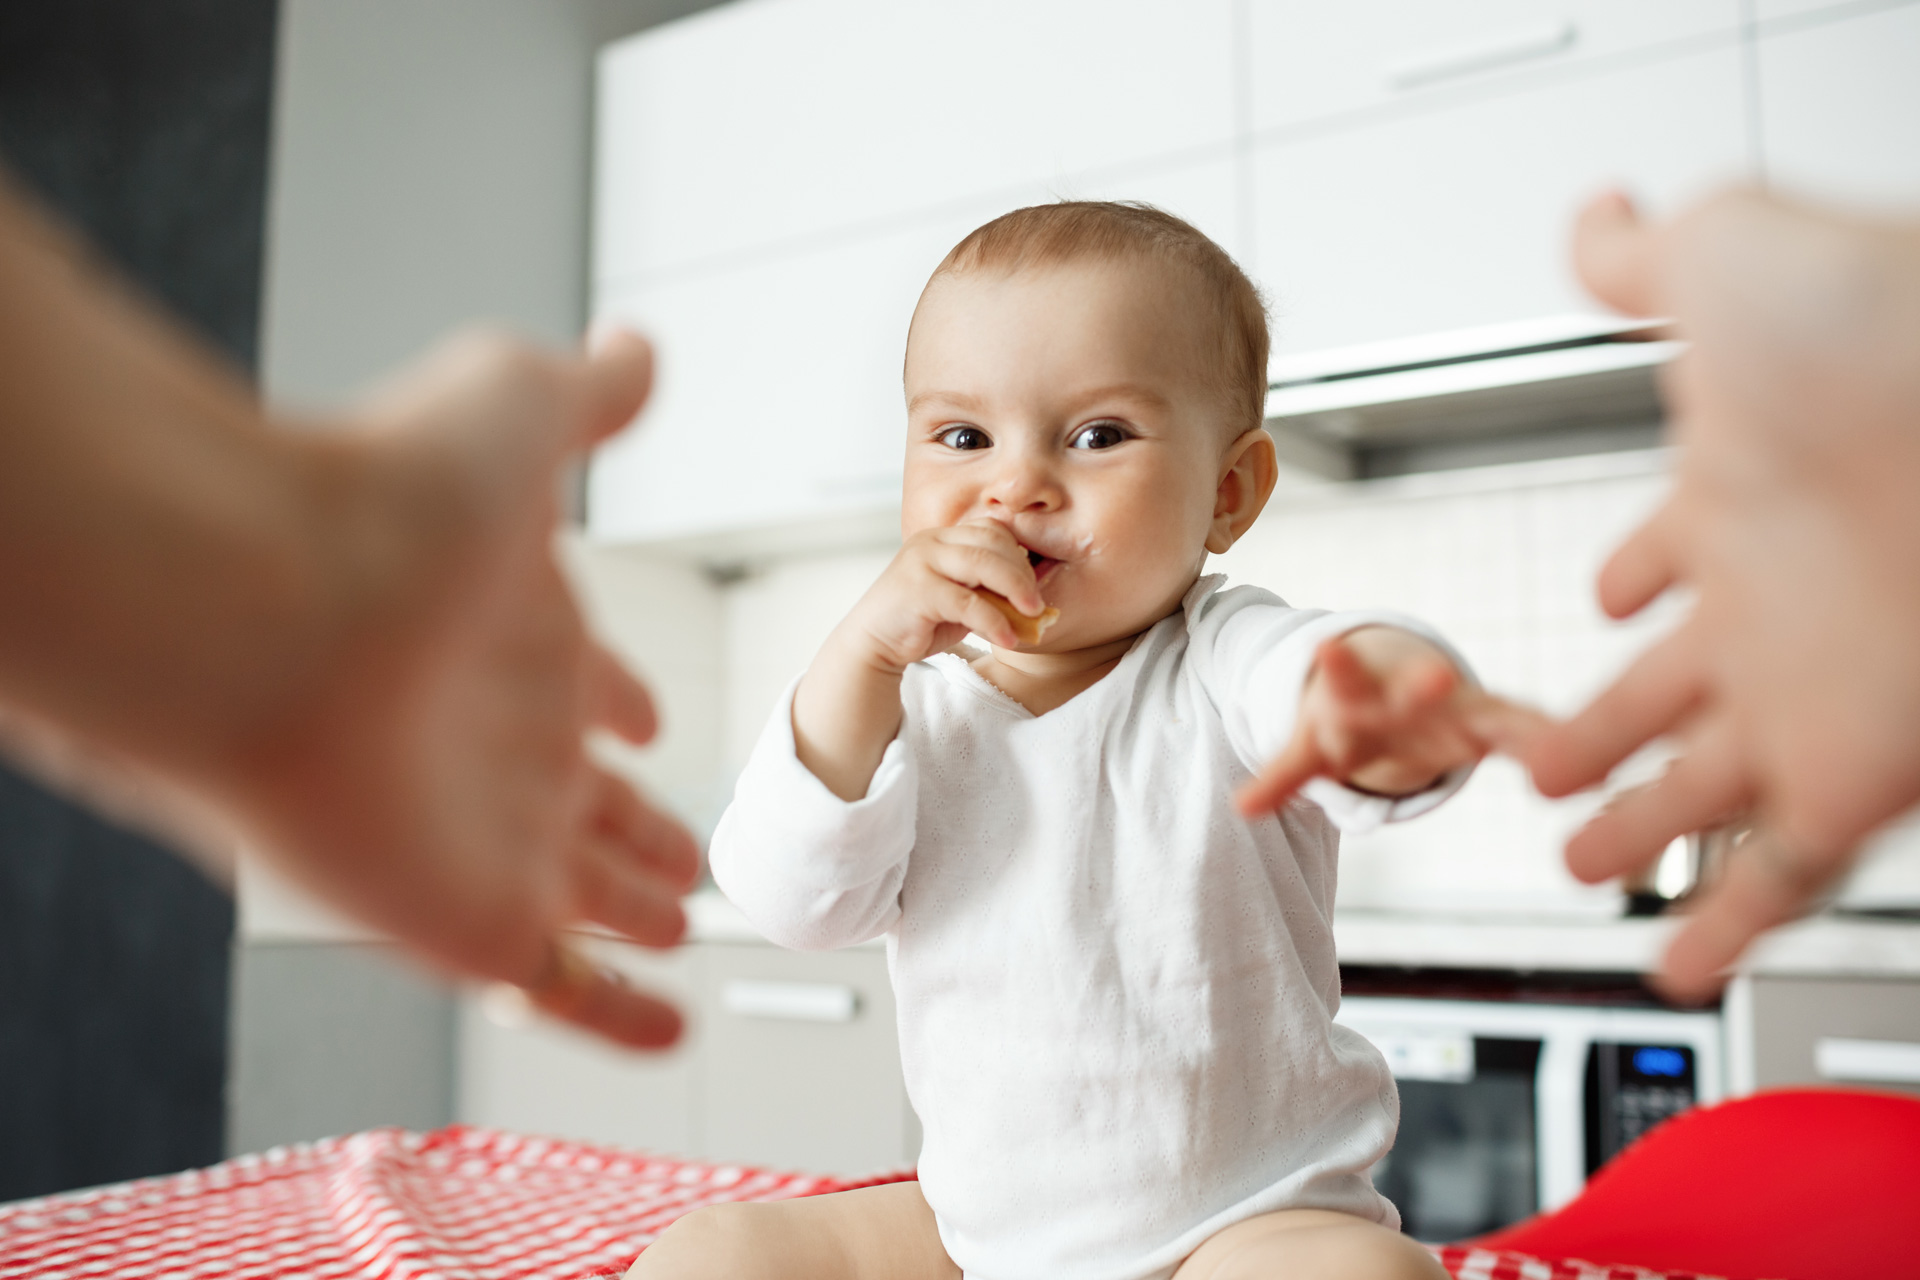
(146, 124)
(113, 1001)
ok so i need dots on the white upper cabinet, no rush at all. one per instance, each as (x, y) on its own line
(1459, 215)
(769, 124)
(1311, 59)
(1840, 109)
(778, 399)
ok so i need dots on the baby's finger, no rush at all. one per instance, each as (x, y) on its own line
(1344, 675)
(1003, 570)
(1765, 882)
(1424, 686)
(1707, 786)
(1299, 761)
(1640, 569)
(1616, 256)
(970, 609)
(1661, 688)
(1501, 724)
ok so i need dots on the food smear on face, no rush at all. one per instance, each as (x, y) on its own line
(1028, 629)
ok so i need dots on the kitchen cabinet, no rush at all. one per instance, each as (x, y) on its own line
(1767, 11)
(1310, 61)
(791, 1060)
(773, 123)
(778, 401)
(801, 1068)
(1840, 1031)
(527, 1074)
(1459, 215)
(1840, 108)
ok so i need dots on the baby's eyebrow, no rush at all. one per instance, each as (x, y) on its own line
(1135, 391)
(957, 399)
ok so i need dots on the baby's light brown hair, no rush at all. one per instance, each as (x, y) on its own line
(1108, 231)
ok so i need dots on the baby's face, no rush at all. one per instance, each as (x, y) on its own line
(1070, 403)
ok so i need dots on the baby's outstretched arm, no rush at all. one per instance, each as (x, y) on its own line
(1386, 712)
(847, 707)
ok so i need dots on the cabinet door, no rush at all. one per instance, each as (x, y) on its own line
(1460, 216)
(529, 1074)
(1310, 60)
(1840, 109)
(791, 1084)
(778, 400)
(772, 122)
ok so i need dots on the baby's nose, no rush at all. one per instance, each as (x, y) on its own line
(1023, 486)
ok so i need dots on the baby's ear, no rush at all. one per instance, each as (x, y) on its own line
(1248, 473)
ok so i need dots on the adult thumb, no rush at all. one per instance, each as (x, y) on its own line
(619, 377)
(1614, 254)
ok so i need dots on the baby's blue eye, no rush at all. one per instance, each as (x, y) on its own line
(964, 437)
(1100, 435)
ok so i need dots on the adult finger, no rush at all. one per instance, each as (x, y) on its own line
(618, 701)
(599, 1000)
(1640, 569)
(1283, 777)
(647, 838)
(1660, 689)
(1705, 787)
(1764, 882)
(1615, 255)
(617, 376)
(612, 891)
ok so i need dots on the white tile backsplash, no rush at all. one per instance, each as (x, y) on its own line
(1502, 560)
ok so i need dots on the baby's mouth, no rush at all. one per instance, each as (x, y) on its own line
(1042, 565)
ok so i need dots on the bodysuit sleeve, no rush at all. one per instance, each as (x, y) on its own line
(810, 870)
(1254, 653)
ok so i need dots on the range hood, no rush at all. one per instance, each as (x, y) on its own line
(1540, 388)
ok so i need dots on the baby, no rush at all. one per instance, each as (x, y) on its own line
(1115, 990)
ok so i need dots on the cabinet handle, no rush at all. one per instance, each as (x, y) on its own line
(793, 1001)
(1518, 44)
(1870, 1061)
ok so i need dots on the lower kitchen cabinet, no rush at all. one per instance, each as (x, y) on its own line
(791, 1060)
(1846, 1032)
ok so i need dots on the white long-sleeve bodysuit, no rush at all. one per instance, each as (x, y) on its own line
(1115, 995)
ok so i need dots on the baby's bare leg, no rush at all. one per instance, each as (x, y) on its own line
(1309, 1244)
(875, 1233)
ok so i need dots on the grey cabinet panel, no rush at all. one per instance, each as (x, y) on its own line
(534, 1075)
(1792, 1015)
(332, 1038)
(824, 1096)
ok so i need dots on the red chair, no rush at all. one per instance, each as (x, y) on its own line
(1796, 1184)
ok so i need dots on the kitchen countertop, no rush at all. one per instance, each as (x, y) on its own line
(1822, 946)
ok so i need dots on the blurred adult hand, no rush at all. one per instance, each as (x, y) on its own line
(430, 772)
(351, 647)
(1793, 687)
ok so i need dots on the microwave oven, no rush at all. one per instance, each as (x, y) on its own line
(1506, 1108)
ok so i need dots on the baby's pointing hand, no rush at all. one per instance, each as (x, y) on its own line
(1387, 713)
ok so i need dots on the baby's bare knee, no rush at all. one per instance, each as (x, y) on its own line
(730, 1241)
(1307, 1245)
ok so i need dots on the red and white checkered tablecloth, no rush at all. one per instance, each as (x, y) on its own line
(1464, 1262)
(455, 1204)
